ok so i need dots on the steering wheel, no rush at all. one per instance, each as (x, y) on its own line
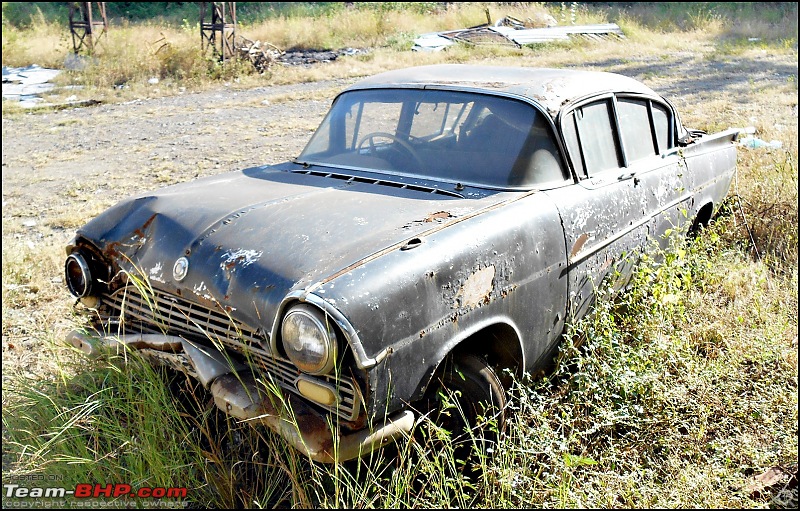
(400, 143)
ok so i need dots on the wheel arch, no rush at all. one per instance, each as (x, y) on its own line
(499, 343)
(702, 218)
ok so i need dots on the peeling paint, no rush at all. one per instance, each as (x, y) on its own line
(200, 290)
(242, 257)
(157, 273)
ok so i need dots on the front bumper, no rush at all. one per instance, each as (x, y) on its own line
(239, 393)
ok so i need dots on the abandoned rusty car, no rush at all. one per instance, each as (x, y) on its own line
(438, 231)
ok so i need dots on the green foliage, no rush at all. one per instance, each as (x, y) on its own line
(103, 423)
(642, 395)
(414, 7)
(25, 14)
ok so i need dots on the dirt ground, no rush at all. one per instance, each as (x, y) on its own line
(61, 168)
(53, 160)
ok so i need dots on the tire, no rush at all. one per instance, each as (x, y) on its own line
(468, 400)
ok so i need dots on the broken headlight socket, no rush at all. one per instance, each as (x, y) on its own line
(309, 339)
(78, 275)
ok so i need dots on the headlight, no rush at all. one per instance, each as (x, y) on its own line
(308, 339)
(78, 276)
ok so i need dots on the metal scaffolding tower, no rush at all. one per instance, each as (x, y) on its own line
(220, 31)
(86, 28)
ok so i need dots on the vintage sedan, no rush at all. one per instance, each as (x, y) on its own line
(438, 232)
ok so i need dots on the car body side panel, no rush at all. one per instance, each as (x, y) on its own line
(711, 165)
(602, 225)
(666, 191)
(421, 303)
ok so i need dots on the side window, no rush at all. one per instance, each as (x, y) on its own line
(597, 137)
(661, 126)
(573, 146)
(593, 138)
(634, 127)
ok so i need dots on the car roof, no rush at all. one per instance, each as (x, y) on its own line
(551, 88)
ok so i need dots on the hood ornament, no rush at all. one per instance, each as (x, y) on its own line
(180, 269)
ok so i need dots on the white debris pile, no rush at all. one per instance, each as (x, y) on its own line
(27, 84)
(511, 31)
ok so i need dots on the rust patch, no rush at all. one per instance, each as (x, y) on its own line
(112, 249)
(606, 263)
(149, 221)
(579, 243)
(140, 232)
(451, 318)
(441, 215)
(477, 289)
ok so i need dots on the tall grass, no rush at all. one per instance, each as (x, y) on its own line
(672, 393)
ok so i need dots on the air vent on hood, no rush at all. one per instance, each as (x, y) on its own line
(382, 182)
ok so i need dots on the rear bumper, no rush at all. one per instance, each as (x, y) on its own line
(239, 393)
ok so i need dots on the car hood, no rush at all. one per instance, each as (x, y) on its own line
(252, 237)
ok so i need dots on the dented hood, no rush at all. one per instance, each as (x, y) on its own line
(251, 237)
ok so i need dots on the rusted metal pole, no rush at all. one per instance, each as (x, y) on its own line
(85, 30)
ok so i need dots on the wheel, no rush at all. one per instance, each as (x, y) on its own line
(400, 143)
(467, 399)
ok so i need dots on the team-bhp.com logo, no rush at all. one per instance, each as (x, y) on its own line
(86, 491)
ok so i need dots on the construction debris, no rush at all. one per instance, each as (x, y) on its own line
(511, 31)
(261, 55)
(539, 20)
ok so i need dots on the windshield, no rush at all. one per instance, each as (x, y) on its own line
(453, 136)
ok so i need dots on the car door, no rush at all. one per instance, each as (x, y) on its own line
(654, 164)
(620, 194)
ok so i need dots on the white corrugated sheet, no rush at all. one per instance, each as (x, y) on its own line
(439, 40)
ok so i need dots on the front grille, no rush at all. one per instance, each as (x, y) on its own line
(160, 312)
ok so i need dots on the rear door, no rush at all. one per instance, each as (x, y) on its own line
(626, 180)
